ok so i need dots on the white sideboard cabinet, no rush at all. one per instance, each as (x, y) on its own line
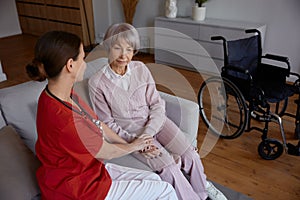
(183, 42)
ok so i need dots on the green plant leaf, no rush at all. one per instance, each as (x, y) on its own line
(200, 2)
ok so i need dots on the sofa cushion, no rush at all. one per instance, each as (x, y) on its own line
(18, 166)
(93, 66)
(184, 113)
(19, 105)
(81, 88)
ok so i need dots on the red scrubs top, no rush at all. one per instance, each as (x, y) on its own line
(66, 145)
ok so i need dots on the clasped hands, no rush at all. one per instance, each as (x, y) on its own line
(147, 148)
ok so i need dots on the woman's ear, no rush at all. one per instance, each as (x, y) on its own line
(69, 64)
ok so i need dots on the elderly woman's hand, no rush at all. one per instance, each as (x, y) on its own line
(151, 152)
(142, 142)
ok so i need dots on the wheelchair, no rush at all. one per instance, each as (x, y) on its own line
(250, 87)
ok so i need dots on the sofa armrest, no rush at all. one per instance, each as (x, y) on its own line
(184, 113)
(18, 105)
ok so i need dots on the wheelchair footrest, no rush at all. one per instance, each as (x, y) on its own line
(294, 149)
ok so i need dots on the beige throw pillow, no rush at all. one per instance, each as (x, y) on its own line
(17, 168)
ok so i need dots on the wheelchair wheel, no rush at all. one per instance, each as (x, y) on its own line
(270, 149)
(222, 107)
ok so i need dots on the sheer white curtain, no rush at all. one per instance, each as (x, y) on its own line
(2, 75)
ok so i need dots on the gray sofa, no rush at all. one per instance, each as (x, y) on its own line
(18, 106)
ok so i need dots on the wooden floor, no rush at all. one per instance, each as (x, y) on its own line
(232, 163)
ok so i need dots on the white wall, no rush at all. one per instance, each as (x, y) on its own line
(9, 21)
(280, 16)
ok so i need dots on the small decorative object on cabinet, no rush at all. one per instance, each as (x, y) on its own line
(171, 8)
(198, 10)
(129, 7)
(76, 16)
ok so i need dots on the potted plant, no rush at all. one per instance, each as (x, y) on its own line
(198, 10)
(200, 2)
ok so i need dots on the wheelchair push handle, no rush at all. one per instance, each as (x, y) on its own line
(257, 32)
(252, 31)
(218, 38)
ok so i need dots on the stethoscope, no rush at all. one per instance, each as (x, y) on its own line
(81, 111)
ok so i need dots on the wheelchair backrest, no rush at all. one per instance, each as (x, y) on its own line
(245, 54)
(244, 57)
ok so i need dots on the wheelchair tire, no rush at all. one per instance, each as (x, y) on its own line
(270, 149)
(222, 107)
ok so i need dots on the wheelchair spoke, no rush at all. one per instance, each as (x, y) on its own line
(222, 108)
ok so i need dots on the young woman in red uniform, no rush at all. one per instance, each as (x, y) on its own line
(72, 142)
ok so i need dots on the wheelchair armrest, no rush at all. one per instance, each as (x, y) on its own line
(277, 58)
(295, 74)
(297, 82)
(280, 59)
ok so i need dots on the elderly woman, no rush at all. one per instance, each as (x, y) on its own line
(124, 96)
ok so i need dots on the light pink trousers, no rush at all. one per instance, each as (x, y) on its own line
(131, 184)
(178, 156)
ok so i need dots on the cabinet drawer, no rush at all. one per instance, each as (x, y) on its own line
(32, 10)
(176, 59)
(208, 49)
(33, 1)
(190, 30)
(188, 61)
(214, 50)
(67, 3)
(206, 32)
(33, 26)
(64, 14)
(209, 65)
(65, 27)
(179, 44)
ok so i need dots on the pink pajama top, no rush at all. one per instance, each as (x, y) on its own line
(129, 112)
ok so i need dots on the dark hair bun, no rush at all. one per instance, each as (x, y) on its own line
(34, 71)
